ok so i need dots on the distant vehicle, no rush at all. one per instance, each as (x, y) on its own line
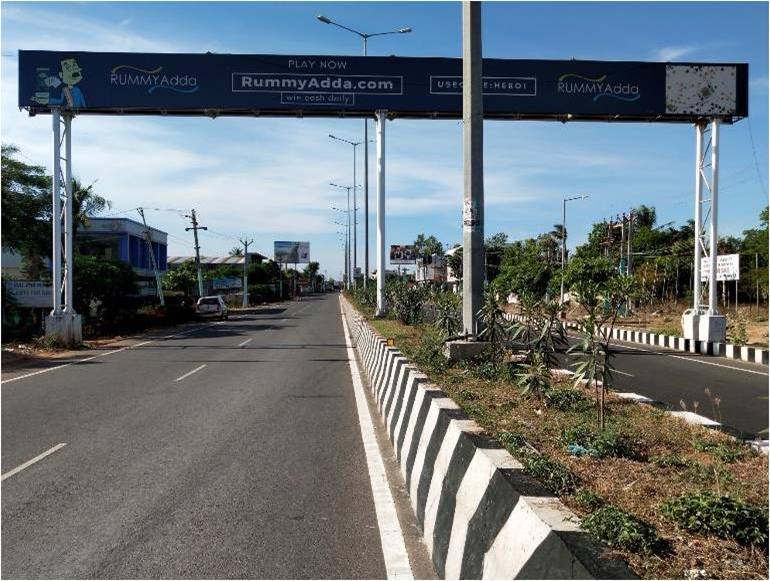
(213, 306)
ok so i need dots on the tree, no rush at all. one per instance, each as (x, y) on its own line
(103, 285)
(312, 272)
(86, 203)
(523, 269)
(183, 278)
(602, 303)
(494, 246)
(426, 247)
(26, 205)
(236, 251)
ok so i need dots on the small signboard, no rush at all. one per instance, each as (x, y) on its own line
(728, 267)
(402, 254)
(227, 282)
(291, 252)
(30, 293)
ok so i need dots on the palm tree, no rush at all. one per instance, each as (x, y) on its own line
(236, 251)
(85, 203)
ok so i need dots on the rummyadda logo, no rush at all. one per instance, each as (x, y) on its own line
(153, 79)
(597, 87)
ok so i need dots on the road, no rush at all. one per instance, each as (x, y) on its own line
(670, 376)
(233, 450)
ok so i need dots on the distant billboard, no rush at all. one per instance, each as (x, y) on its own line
(402, 254)
(728, 267)
(291, 252)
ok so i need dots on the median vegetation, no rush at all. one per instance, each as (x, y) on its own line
(673, 499)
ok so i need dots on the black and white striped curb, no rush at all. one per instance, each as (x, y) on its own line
(728, 350)
(481, 516)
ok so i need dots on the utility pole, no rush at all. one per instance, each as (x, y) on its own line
(628, 253)
(151, 251)
(245, 271)
(473, 168)
(564, 240)
(195, 228)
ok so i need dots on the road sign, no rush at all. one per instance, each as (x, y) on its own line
(30, 293)
(402, 254)
(291, 85)
(287, 252)
(728, 267)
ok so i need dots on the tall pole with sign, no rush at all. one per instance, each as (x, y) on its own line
(473, 168)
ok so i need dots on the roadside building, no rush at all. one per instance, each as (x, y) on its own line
(125, 239)
(431, 269)
(214, 262)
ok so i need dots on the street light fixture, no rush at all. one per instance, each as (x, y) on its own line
(365, 37)
(564, 238)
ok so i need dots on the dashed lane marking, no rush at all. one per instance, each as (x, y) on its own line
(29, 463)
(189, 373)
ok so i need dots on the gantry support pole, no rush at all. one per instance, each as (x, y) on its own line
(381, 118)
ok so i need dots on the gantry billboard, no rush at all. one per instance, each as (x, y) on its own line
(312, 85)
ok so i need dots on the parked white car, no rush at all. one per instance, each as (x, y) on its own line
(212, 306)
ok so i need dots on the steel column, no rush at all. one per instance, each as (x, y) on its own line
(56, 251)
(713, 237)
(697, 295)
(69, 307)
(381, 117)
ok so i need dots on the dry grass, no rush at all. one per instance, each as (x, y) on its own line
(639, 487)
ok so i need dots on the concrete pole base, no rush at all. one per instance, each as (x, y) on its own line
(66, 328)
(704, 327)
(456, 351)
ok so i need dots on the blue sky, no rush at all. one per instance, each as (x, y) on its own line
(268, 178)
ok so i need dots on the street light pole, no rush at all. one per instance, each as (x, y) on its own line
(564, 240)
(355, 144)
(365, 37)
(347, 242)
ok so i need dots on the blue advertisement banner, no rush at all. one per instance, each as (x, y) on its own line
(291, 85)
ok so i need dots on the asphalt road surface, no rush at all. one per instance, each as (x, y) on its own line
(233, 450)
(672, 376)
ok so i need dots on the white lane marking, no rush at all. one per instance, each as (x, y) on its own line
(29, 463)
(623, 372)
(189, 373)
(32, 374)
(247, 341)
(391, 537)
(690, 359)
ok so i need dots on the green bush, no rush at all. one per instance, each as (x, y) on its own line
(670, 461)
(567, 399)
(512, 441)
(725, 452)
(622, 530)
(557, 477)
(603, 444)
(705, 513)
(429, 353)
(588, 500)
(406, 302)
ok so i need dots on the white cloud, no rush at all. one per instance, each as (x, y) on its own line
(673, 53)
